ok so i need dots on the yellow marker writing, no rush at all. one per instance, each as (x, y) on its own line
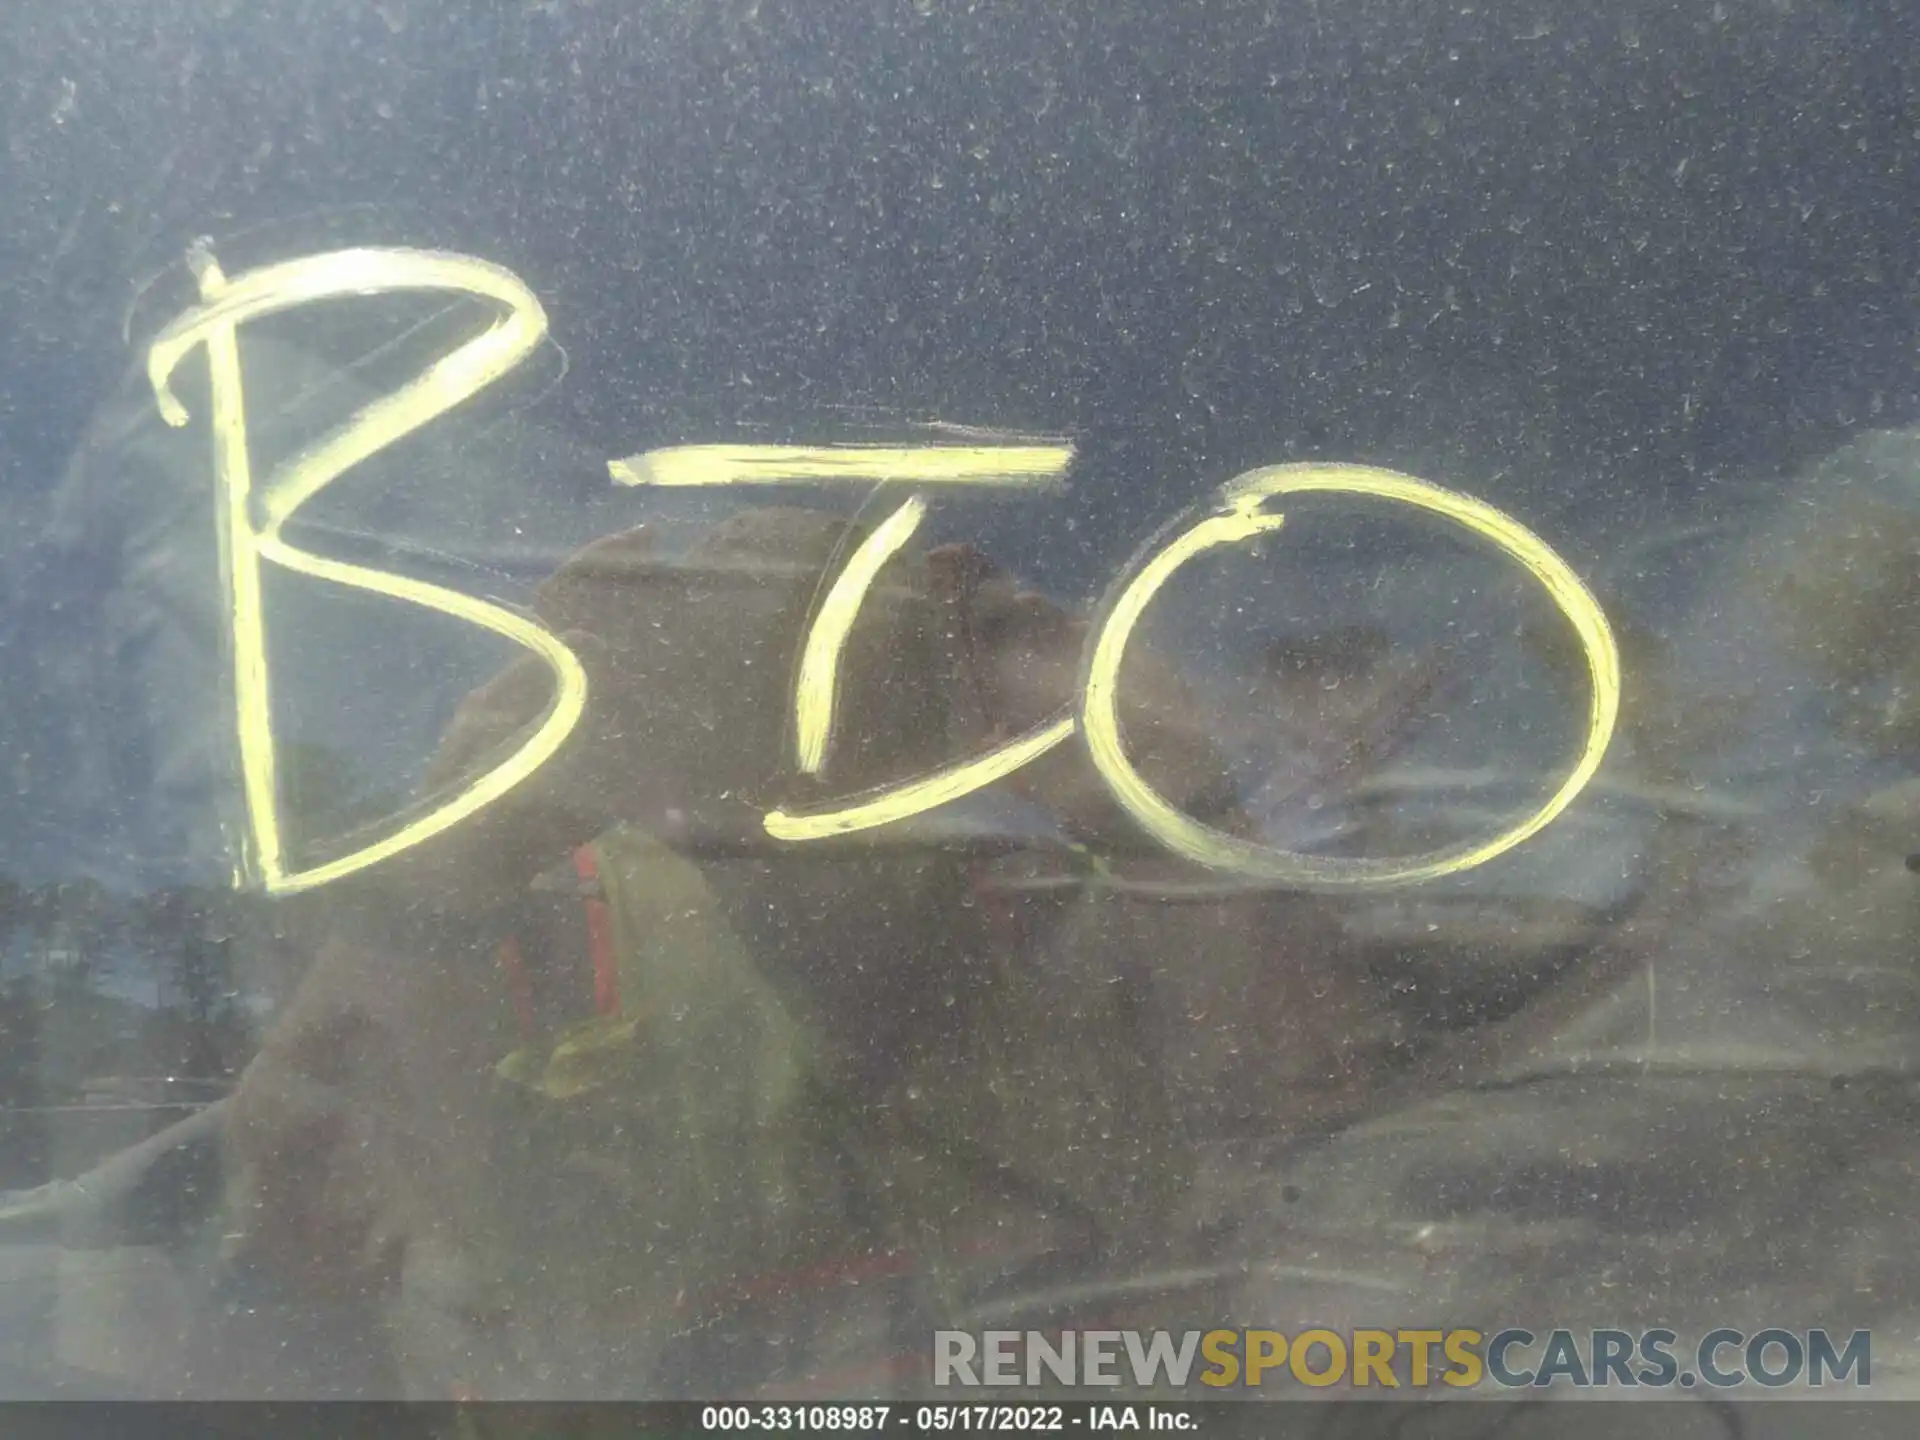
(252, 520)
(1241, 517)
(251, 524)
(942, 787)
(1029, 466)
(827, 637)
(999, 464)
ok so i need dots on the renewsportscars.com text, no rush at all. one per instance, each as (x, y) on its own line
(1379, 1359)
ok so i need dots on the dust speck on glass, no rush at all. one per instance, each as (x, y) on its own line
(708, 701)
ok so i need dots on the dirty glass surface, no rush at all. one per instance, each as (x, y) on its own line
(696, 689)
